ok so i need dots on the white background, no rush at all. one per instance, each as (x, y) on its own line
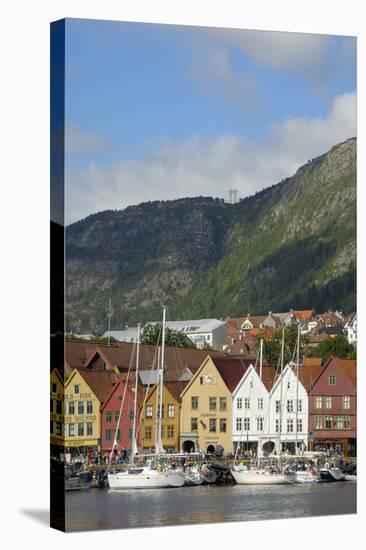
(24, 305)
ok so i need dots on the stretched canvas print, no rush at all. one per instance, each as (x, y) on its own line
(203, 276)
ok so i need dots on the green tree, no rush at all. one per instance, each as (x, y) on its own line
(337, 346)
(272, 344)
(152, 335)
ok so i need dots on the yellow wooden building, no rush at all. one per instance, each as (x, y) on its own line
(170, 417)
(206, 409)
(82, 416)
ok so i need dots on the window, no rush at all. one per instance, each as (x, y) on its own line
(328, 402)
(80, 428)
(288, 385)
(51, 404)
(318, 422)
(76, 389)
(116, 416)
(339, 422)
(170, 434)
(239, 403)
(108, 435)
(194, 424)
(162, 432)
(162, 410)
(247, 424)
(130, 434)
(51, 426)
(278, 425)
(223, 403)
(290, 406)
(239, 424)
(260, 403)
(149, 411)
(108, 416)
(148, 432)
(290, 425)
(346, 422)
(332, 379)
(201, 380)
(328, 422)
(130, 415)
(171, 410)
(89, 428)
(118, 434)
(299, 424)
(299, 405)
(54, 387)
(223, 425)
(318, 402)
(80, 407)
(71, 430)
(346, 402)
(89, 407)
(278, 406)
(58, 428)
(212, 424)
(260, 424)
(194, 402)
(71, 407)
(247, 403)
(212, 402)
(58, 406)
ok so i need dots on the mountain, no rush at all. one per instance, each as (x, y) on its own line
(290, 245)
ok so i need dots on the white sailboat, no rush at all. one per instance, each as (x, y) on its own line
(147, 476)
(260, 474)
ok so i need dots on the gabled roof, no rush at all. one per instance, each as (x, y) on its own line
(348, 366)
(100, 382)
(308, 376)
(231, 369)
(176, 389)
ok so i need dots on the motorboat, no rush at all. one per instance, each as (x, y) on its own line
(331, 474)
(261, 476)
(78, 481)
(193, 476)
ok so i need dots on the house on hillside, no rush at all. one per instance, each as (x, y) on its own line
(350, 329)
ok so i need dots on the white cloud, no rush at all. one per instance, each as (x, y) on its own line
(199, 167)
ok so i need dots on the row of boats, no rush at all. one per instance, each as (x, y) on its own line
(164, 475)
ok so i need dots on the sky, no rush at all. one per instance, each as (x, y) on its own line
(159, 112)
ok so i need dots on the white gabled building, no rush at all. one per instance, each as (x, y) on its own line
(251, 406)
(351, 329)
(294, 423)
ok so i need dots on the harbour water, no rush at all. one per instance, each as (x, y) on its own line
(105, 509)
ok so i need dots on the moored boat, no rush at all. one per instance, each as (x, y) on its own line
(331, 474)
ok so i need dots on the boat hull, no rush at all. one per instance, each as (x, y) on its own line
(145, 480)
(256, 478)
(305, 477)
(331, 474)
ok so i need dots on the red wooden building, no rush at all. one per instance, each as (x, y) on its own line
(110, 411)
(332, 408)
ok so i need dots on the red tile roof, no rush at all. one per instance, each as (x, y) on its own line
(312, 362)
(100, 382)
(232, 369)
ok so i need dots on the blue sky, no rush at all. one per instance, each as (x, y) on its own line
(163, 111)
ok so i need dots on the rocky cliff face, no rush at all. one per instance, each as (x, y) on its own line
(292, 245)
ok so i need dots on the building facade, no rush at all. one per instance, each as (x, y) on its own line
(333, 408)
(56, 412)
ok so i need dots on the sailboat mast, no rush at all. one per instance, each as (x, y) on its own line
(161, 381)
(297, 384)
(281, 388)
(261, 360)
(134, 446)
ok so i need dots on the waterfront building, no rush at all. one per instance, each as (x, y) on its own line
(251, 406)
(170, 424)
(206, 411)
(116, 423)
(333, 400)
(350, 329)
(56, 412)
(85, 392)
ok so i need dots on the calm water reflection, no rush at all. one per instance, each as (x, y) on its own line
(106, 509)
